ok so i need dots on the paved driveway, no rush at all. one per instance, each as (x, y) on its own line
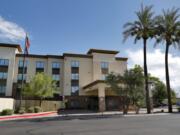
(116, 125)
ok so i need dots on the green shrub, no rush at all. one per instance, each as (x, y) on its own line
(22, 110)
(37, 109)
(30, 110)
(7, 112)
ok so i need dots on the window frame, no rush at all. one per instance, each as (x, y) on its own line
(20, 63)
(40, 64)
(56, 65)
(75, 63)
(4, 75)
(4, 62)
(104, 65)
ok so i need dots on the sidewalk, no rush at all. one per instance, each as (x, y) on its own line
(27, 116)
(83, 114)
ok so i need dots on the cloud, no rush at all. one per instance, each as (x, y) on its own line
(10, 30)
(155, 62)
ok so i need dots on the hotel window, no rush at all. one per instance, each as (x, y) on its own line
(20, 67)
(74, 77)
(74, 63)
(56, 77)
(55, 65)
(21, 63)
(2, 90)
(20, 77)
(75, 90)
(104, 70)
(22, 72)
(56, 68)
(3, 75)
(56, 72)
(39, 66)
(4, 62)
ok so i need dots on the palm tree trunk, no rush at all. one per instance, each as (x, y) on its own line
(146, 80)
(167, 79)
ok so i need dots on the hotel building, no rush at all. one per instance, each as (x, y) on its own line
(80, 77)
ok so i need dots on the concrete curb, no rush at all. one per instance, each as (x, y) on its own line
(26, 116)
(143, 115)
(77, 116)
(111, 114)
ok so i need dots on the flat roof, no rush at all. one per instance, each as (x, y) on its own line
(11, 46)
(102, 51)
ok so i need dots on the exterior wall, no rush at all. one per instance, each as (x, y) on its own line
(85, 73)
(49, 71)
(6, 103)
(97, 59)
(9, 53)
(47, 105)
(118, 66)
(89, 68)
(31, 68)
(115, 66)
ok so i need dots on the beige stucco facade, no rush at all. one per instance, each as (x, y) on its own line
(10, 54)
(89, 69)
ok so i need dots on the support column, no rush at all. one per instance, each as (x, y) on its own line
(101, 96)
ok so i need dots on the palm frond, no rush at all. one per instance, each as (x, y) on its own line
(142, 27)
(169, 25)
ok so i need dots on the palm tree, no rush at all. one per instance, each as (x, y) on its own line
(168, 30)
(142, 28)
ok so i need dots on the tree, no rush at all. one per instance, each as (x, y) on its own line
(159, 92)
(142, 28)
(168, 26)
(129, 86)
(41, 86)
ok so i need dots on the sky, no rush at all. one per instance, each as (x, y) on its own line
(75, 26)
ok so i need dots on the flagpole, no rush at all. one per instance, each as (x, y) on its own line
(22, 80)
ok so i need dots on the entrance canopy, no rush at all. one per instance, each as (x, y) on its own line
(102, 89)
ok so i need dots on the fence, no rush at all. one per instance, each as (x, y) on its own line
(47, 105)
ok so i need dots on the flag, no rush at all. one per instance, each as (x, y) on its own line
(27, 45)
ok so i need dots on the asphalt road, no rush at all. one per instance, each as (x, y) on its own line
(116, 125)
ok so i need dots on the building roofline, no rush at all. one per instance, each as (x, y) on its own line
(11, 46)
(40, 56)
(77, 55)
(102, 51)
(93, 83)
(121, 58)
(66, 55)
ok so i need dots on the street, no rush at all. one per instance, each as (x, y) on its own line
(112, 125)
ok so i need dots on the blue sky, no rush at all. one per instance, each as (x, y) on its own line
(57, 26)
